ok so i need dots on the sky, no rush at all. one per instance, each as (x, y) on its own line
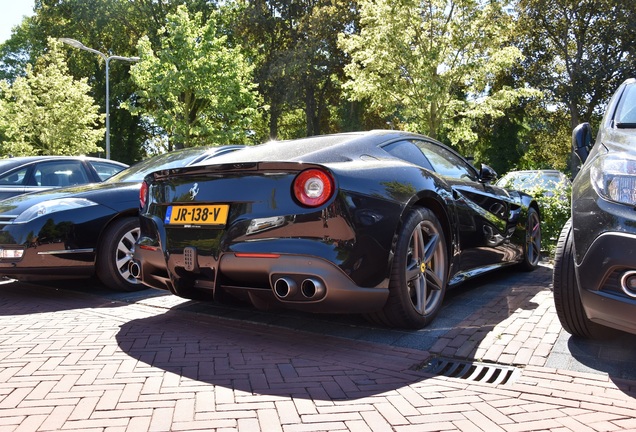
(11, 14)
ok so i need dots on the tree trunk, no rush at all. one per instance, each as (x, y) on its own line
(310, 110)
(274, 114)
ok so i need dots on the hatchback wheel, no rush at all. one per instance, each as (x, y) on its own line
(114, 254)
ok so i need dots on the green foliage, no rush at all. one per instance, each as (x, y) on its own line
(299, 65)
(555, 210)
(578, 52)
(431, 66)
(458, 70)
(48, 112)
(291, 124)
(196, 87)
(550, 136)
(114, 28)
(15, 52)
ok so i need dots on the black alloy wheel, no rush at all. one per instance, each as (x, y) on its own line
(419, 273)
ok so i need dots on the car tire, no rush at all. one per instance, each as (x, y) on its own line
(114, 253)
(567, 299)
(419, 272)
(532, 244)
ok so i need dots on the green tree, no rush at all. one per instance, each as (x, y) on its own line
(15, 51)
(579, 52)
(48, 112)
(298, 63)
(109, 26)
(429, 65)
(195, 87)
(549, 138)
(316, 62)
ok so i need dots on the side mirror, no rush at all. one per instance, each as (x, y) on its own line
(582, 141)
(487, 174)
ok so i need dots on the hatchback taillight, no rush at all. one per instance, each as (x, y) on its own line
(143, 195)
(313, 187)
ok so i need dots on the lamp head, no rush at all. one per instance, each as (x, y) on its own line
(72, 42)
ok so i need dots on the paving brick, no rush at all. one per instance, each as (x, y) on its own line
(13, 399)
(137, 424)
(357, 426)
(268, 420)
(142, 367)
(483, 421)
(248, 425)
(57, 418)
(376, 421)
(322, 427)
(31, 423)
(574, 425)
(492, 413)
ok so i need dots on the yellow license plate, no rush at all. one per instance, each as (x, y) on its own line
(197, 214)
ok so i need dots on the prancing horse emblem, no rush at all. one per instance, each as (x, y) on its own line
(194, 190)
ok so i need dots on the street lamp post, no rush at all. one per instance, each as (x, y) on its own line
(77, 44)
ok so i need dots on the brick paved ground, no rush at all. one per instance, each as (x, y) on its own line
(71, 361)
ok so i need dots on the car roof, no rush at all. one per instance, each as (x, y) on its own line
(12, 162)
(320, 148)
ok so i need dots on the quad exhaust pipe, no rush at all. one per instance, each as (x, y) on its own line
(286, 288)
(312, 288)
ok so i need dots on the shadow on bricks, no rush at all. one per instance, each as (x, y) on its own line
(267, 360)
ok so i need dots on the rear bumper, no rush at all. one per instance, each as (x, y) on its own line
(299, 282)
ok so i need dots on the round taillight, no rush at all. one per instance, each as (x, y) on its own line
(313, 187)
(143, 195)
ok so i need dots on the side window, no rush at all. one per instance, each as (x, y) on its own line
(408, 151)
(14, 178)
(447, 163)
(105, 169)
(627, 107)
(62, 173)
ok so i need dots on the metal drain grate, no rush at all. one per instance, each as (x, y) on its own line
(472, 371)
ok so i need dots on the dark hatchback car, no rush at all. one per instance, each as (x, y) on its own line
(84, 230)
(20, 175)
(595, 264)
(378, 223)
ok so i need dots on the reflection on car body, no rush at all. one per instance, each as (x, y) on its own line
(376, 222)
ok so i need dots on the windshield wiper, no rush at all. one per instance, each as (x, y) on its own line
(625, 125)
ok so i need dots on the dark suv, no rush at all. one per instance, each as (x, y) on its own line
(595, 264)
